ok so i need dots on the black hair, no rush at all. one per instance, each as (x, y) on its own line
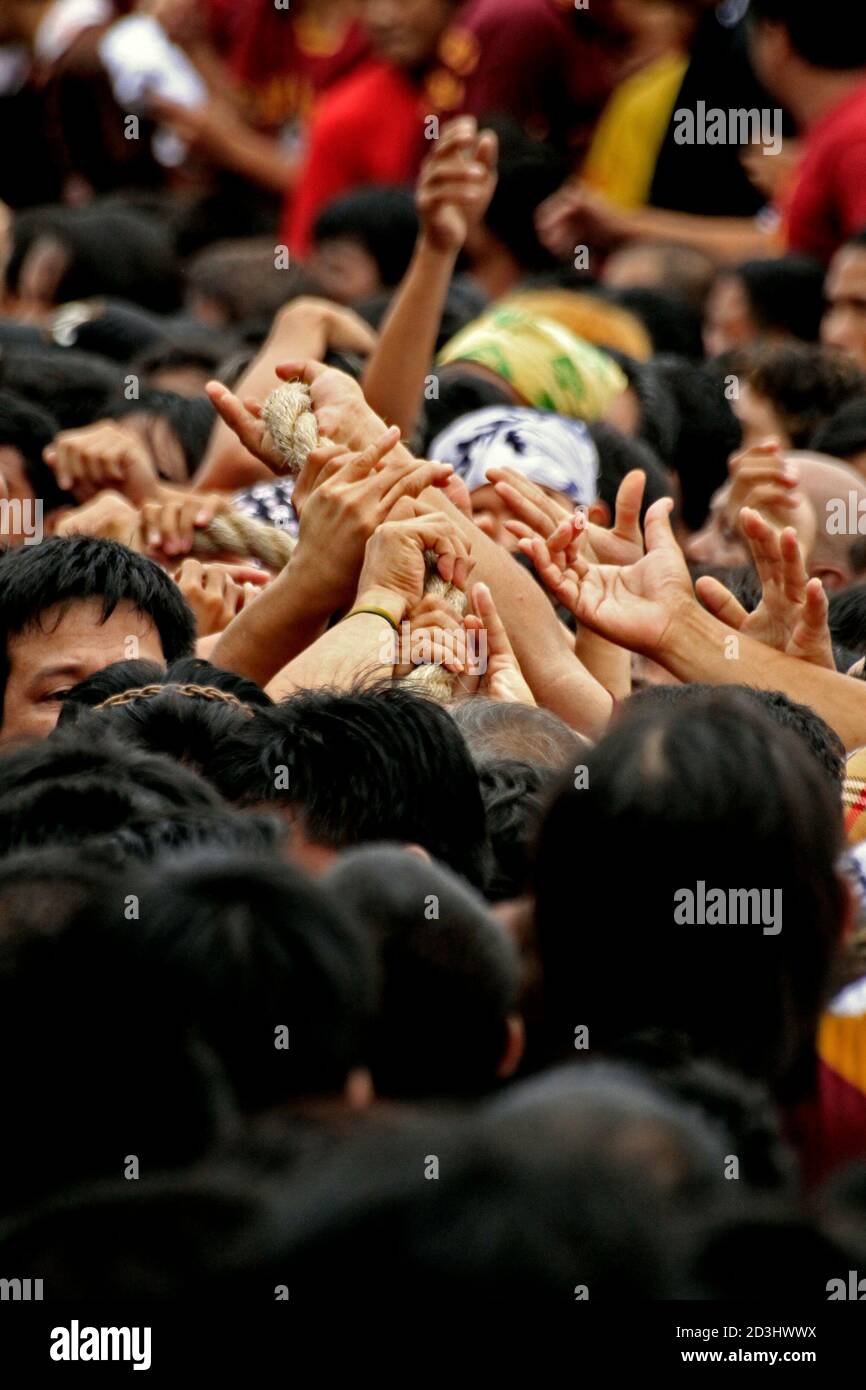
(449, 974)
(188, 728)
(194, 670)
(673, 324)
(806, 384)
(214, 829)
(709, 432)
(262, 963)
(73, 387)
(103, 1077)
(618, 454)
(843, 435)
(516, 1223)
(529, 733)
(785, 294)
(189, 346)
(242, 277)
(382, 218)
(109, 250)
(822, 741)
(460, 391)
(837, 42)
(382, 764)
(844, 658)
(847, 618)
(185, 726)
(190, 418)
(659, 424)
(529, 171)
(102, 684)
(77, 784)
(721, 800)
(62, 571)
(515, 796)
(30, 429)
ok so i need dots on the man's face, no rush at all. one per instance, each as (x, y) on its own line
(49, 658)
(717, 542)
(406, 32)
(844, 324)
(728, 321)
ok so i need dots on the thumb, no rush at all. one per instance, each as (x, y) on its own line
(628, 504)
(485, 609)
(720, 601)
(657, 526)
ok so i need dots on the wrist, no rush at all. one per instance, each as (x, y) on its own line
(688, 637)
(430, 253)
(303, 591)
(378, 596)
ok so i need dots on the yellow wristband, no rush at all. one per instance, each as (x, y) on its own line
(378, 613)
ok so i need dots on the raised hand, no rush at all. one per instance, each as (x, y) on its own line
(216, 593)
(763, 481)
(456, 183)
(792, 614)
(244, 418)
(169, 523)
(395, 562)
(102, 455)
(354, 494)
(555, 559)
(635, 605)
(538, 515)
(501, 677)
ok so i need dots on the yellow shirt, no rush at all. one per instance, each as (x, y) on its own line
(624, 149)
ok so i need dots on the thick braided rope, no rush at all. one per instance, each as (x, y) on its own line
(243, 535)
(288, 414)
(199, 692)
(292, 426)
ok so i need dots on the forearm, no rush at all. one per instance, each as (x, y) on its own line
(360, 648)
(257, 157)
(227, 465)
(608, 663)
(557, 679)
(285, 619)
(394, 379)
(697, 647)
(722, 238)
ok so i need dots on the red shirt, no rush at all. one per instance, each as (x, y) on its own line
(369, 128)
(827, 201)
(280, 58)
(541, 61)
(536, 60)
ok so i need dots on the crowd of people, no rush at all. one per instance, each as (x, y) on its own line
(433, 849)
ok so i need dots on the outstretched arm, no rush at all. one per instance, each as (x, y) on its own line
(651, 608)
(454, 190)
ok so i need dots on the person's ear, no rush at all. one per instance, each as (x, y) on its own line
(599, 513)
(358, 1091)
(515, 1042)
(831, 576)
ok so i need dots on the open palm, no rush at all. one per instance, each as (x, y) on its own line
(635, 605)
